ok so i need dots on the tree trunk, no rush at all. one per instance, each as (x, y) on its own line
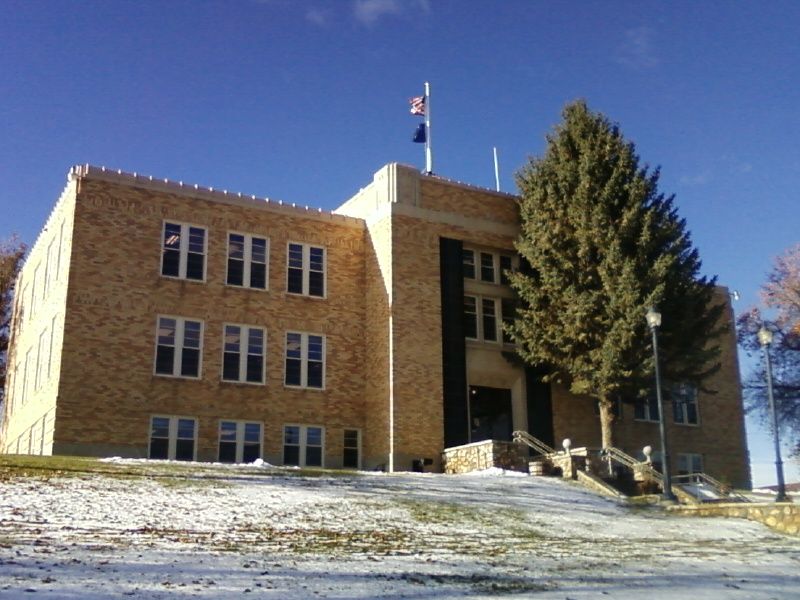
(606, 422)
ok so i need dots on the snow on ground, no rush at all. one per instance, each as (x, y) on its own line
(214, 532)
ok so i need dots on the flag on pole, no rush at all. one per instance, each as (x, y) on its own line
(419, 134)
(417, 105)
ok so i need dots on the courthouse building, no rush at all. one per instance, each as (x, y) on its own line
(164, 320)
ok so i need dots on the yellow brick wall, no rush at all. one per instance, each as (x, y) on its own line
(109, 391)
(36, 333)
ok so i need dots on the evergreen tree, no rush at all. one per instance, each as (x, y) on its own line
(603, 245)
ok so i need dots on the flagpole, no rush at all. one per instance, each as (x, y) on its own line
(428, 154)
(496, 171)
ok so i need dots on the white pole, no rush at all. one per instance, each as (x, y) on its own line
(428, 154)
(496, 171)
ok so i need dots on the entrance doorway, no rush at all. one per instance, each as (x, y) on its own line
(490, 413)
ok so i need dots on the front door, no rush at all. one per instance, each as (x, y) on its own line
(490, 413)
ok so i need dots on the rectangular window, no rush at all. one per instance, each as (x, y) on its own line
(471, 317)
(489, 325)
(303, 445)
(351, 456)
(508, 309)
(26, 377)
(40, 360)
(247, 261)
(506, 265)
(48, 268)
(184, 251)
(239, 441)
(173, 438)
(487, 267)
(646, 409)
(468, 260)
(684, 403)
(33, 290)
(243, 354)
(305, 360)
(481, 318)
(60, 250)
(689, 463)
(179, 345)
(50, 350)
(305, 270)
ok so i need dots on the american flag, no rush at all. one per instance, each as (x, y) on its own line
(417, 105)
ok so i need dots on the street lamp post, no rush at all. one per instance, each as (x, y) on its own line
(654, 322)
(765, 339)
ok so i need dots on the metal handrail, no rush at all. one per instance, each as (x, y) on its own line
(716, 485)
(538, 445)
(627, 460)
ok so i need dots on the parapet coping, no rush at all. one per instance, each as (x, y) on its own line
(469, 186)
(207, 193)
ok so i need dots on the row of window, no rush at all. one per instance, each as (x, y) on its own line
(44, 275)
(175, 438)
(687, 463)
(683, 397)
(179, 351)
(484, 318)
(185, 248)
(488, 267)
(34, 369)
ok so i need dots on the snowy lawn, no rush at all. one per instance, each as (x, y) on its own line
(88, 529)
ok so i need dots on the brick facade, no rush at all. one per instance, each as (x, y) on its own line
(380, 317)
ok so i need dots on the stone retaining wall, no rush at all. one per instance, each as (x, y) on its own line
(479, 456)
(783, 516)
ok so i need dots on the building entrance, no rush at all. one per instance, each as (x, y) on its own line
(490, 413)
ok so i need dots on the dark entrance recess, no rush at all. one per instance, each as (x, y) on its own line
(490, 413)
(454, 358)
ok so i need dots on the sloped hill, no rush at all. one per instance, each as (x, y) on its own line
(87, 529)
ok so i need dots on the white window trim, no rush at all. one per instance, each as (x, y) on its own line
(180, 324)
(304, 360)
(240, 428)
(649, 418)
(248, 260)
(172, 435)
(688, 458)
(183, 250)
(303, 444)
(498, 319)
(684, 412)
(496, 254)
(358, 432)
(244, 334)
(307, 270)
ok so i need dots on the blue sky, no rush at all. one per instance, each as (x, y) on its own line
(304, 100)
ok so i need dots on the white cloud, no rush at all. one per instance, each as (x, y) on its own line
(699, 179)
(638, 49)
(369, 12)
(317, 16)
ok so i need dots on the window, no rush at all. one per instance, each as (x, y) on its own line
(690, 463)
(646, 409)
(40, 361)
(305, 360)
(179, 346)
(247, 261)
(684, 403)
(303, 445)
(506, 265)
(172, 438)
(239, 441)
(48, 268)
(351, 455)
(481, 318)
(184, 251)
(487, 267)
(50, 350)
(243, 354)
(468, 260)
(33, 290)
(508, 308)
(305, 272)
(60, 250)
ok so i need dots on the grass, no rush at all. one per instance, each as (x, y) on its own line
(46, 467)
